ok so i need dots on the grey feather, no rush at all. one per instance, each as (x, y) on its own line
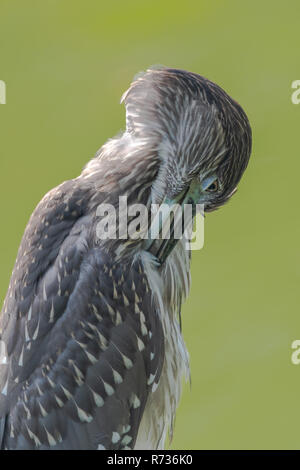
(92, 352)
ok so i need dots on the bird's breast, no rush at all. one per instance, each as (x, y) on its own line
(169, 285)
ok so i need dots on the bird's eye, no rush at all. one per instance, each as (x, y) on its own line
(213, 187)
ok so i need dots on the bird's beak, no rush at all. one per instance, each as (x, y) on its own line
(169, 222)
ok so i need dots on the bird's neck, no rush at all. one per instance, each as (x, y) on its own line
(121, 176)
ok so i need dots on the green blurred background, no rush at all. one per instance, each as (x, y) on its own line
(66, 64)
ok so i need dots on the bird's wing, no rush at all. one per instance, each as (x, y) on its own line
(81, 342)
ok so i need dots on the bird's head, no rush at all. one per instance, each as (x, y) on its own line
(186, 142)
(202, 136)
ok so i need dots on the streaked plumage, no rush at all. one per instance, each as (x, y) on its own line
(92, 353)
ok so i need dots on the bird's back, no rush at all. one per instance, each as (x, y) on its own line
(83, 342)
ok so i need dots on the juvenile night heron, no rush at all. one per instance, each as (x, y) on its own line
(92, 354)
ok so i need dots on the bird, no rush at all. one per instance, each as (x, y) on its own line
(92, 354)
